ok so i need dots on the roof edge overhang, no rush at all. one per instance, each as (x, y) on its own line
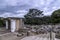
(11, 18)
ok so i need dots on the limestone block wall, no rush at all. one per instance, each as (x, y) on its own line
(17, 24)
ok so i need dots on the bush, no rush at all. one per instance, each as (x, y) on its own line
(2, 23)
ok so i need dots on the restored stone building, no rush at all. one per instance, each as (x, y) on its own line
(13, 23)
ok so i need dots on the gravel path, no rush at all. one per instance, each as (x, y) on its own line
(38, 37)
(9, 36)
(12, 36)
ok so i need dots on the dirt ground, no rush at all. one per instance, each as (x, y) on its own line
(9, 36)
(6, 35)
(13, 36)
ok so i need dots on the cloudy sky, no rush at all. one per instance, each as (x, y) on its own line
(20, 7)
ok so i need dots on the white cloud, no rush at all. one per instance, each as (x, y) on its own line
(46, 5)
(45, 9)
(47, 13)
(11, 2)
(7, 14)
(22, 11)
(54, 8)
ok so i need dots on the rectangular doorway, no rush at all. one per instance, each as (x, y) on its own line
(9, 25)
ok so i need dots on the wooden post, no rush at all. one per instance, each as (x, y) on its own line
(51, 35)
(50, 32)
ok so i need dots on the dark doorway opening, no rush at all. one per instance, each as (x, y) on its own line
(9, 25)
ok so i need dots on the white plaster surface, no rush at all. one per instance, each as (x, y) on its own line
(13, 26)
(6, 24)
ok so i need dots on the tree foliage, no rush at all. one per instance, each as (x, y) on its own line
(33, 16)
(33, 13)
(46, 20)
(56, 16)
(2, 23)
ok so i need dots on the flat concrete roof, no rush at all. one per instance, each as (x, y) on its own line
(10, 18)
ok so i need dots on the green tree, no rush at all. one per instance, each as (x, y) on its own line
(56, 16)
(33, 13)
(32, 17)
(1, 23)
(46, 20)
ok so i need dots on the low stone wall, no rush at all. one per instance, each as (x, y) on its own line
(35, 29)
(43, 26)
(46, 28)
(31, 26)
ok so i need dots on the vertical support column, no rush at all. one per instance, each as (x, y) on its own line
(6, 24)
(53, 36)
(21, 23)
(17, 24)
(13, 25)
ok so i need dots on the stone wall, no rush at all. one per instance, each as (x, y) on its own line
(44, 27)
